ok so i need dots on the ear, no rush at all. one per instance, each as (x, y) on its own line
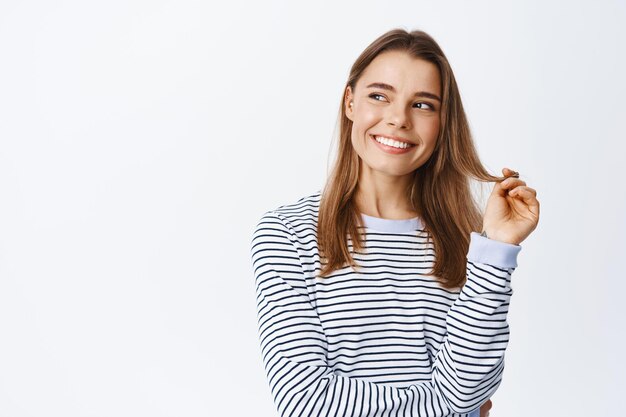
(348, 98)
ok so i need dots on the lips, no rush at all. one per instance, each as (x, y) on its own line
(396, 138)
(393, 150)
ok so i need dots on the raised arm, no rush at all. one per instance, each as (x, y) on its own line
(467, 369)
(471, 358)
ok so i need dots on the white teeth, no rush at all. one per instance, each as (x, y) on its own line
(391, 142)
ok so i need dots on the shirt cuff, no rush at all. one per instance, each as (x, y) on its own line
(492, 252)
(475, 413)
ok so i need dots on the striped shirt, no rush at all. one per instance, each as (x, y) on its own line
(385, 339)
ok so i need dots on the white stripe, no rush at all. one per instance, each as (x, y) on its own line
(385, 338)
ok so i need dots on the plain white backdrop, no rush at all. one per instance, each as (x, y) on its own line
(140, 142)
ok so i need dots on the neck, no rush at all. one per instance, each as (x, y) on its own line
(385, 196)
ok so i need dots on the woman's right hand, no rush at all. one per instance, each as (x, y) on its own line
(484, 409)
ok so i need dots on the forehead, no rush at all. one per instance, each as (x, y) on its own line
(402, 71)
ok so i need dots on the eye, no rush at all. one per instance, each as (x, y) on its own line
(373, 95)
(430, 106)
(420, 104)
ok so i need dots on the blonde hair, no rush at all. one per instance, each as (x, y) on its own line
(440, 190)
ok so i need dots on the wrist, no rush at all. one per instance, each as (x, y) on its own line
(495, 236)
(492, 252)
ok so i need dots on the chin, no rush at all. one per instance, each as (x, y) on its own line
(393, 170)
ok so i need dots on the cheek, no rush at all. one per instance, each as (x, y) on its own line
(366, 118)
(429, 130)
(356, 137)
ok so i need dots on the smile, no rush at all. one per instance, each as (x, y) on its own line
(391, 145)
(392, 142)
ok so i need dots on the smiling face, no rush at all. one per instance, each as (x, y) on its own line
(397, 98)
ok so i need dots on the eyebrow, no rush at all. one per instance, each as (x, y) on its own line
(385, 86)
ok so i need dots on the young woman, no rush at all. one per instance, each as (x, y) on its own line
(378, 296)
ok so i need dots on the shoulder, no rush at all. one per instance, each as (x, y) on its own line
(293, 217)
(304, 210)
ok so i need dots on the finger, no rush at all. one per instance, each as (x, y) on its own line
(522, 188)
(528, 196)
(512, 182)
(501, 188)
(487, 405)
(510, 173)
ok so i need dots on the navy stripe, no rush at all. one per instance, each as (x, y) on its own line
(382, 340)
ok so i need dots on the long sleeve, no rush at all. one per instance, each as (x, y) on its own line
(476, 323)
(294, 347)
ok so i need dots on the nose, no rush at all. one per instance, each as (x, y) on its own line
(397, 117)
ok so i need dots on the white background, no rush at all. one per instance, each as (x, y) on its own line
(142, 140)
